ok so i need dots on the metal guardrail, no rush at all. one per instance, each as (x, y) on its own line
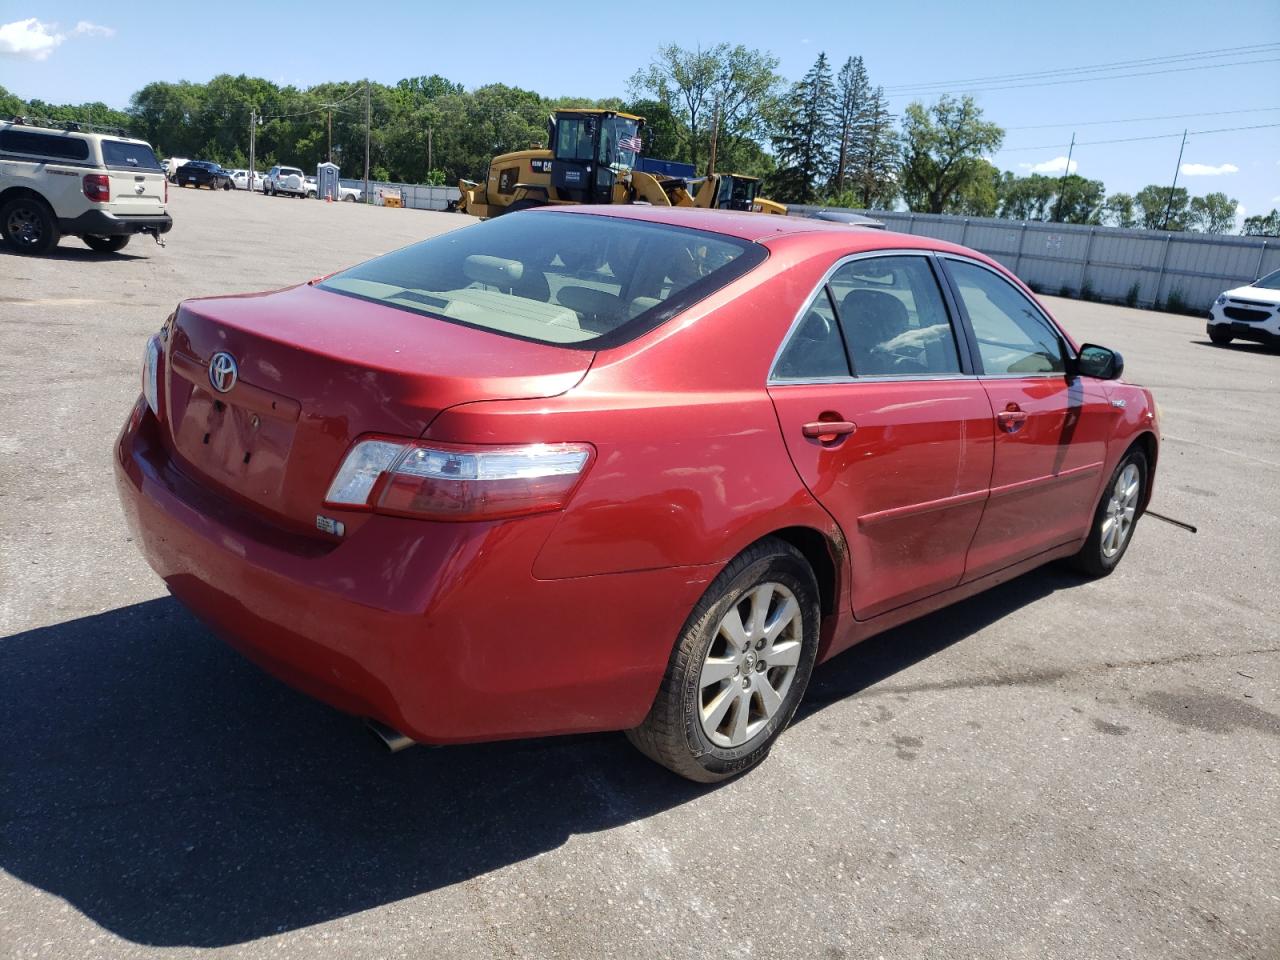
(1149, 267)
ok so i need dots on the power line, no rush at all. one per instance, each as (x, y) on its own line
(1167, 116)
(1157, 136)
(1117, 76)
(1093, 68)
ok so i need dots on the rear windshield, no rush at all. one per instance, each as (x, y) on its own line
(117, 153)
(553, 277)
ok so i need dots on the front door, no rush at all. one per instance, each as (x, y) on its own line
(887, 428)
(1051, 430)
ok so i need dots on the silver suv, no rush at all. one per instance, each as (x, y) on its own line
(98, 187)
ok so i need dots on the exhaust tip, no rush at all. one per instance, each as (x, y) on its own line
(391, 738)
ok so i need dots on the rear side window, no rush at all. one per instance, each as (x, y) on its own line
(44, 144)
(560, 278)
(118, 153)
(1013, 336)
(894, 318)
(815, 349)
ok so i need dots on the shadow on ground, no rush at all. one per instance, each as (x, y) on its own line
(177, 796)
(70, 249)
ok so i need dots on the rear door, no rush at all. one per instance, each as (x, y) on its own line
(1051, 431)
(887, 425)
(137, 178)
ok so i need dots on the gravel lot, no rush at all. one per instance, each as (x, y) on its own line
(1054, 769)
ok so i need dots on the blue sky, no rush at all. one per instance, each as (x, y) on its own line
(83, 51)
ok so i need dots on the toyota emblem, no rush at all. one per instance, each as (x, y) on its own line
(223, 372)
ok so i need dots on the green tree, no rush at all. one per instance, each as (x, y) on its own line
(1120, 210)
(1162, 208)
(849, 117)
(941, 150)
(873, 161)
(803, 141)
(684, 82)
(979, 196)
(1262, 226)
(1027, 198)
(662, 132)
(1079, 200)
(1212, 213)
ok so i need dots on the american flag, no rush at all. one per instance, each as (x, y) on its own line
(630, 143)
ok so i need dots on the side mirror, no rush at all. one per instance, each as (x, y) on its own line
(1099, 363)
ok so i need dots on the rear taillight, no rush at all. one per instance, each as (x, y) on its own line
(151, 374)
(97, 187)
(457, 482)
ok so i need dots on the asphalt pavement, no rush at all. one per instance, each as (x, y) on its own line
(1056, 769)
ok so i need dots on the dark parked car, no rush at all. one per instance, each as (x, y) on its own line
(202, 173)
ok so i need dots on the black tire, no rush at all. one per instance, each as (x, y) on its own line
(106, 244)
(29, 226)
(1219, 334)
(1094, 559)
(672, 734)
(311, 194)
(226, 185)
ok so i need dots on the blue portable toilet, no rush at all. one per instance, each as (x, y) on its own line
(327, 181)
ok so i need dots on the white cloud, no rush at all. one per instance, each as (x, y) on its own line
(1208, 170)
(1056, 165)
(29, 39)
(95, 30)
(1275, 199)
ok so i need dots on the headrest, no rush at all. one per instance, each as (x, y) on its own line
(493, 271)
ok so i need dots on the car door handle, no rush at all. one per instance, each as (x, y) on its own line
(826, 431)
(1011, 421)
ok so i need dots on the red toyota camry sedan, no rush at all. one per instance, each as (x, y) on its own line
(619, 468)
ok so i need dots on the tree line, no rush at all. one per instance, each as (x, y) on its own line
(828, 138)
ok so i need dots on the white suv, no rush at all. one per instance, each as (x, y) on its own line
(1248, 313)
(286, 181)
(100, 188)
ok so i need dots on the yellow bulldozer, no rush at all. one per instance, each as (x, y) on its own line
(594, 157)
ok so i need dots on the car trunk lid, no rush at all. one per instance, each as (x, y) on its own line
(314, 370)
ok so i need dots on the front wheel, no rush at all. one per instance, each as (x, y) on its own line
(739, 669)
(1219, 334)
(1117, 514)
(106, 244)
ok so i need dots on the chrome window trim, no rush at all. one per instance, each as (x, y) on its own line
(1053, 324)
(773, 381)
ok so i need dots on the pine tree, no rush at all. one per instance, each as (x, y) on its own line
(803, 141)
(849, 118)
(873, 161)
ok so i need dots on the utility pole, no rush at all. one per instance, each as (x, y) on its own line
(367, 114)
(430, 164)
(253, 135)
(329, 112)
(1057, 214)
(715, 131)
(1169, 206)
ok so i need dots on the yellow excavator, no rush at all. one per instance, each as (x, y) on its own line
(594, 157)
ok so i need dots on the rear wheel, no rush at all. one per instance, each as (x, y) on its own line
(739, 669)
(1115, 518)
(106, 244)
(1219, 334)
(29, 226)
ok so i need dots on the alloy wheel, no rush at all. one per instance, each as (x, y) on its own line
(750, 665)
(1122, 510)
(23, 227)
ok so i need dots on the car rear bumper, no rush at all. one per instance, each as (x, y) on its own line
(437, 629)
(100, 223)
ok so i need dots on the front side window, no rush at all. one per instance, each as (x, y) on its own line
(619, 142)
(1013, 337)
(894, 318)
(554, 277)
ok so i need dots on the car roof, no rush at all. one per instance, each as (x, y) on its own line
(768, 228)
(36, 128)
